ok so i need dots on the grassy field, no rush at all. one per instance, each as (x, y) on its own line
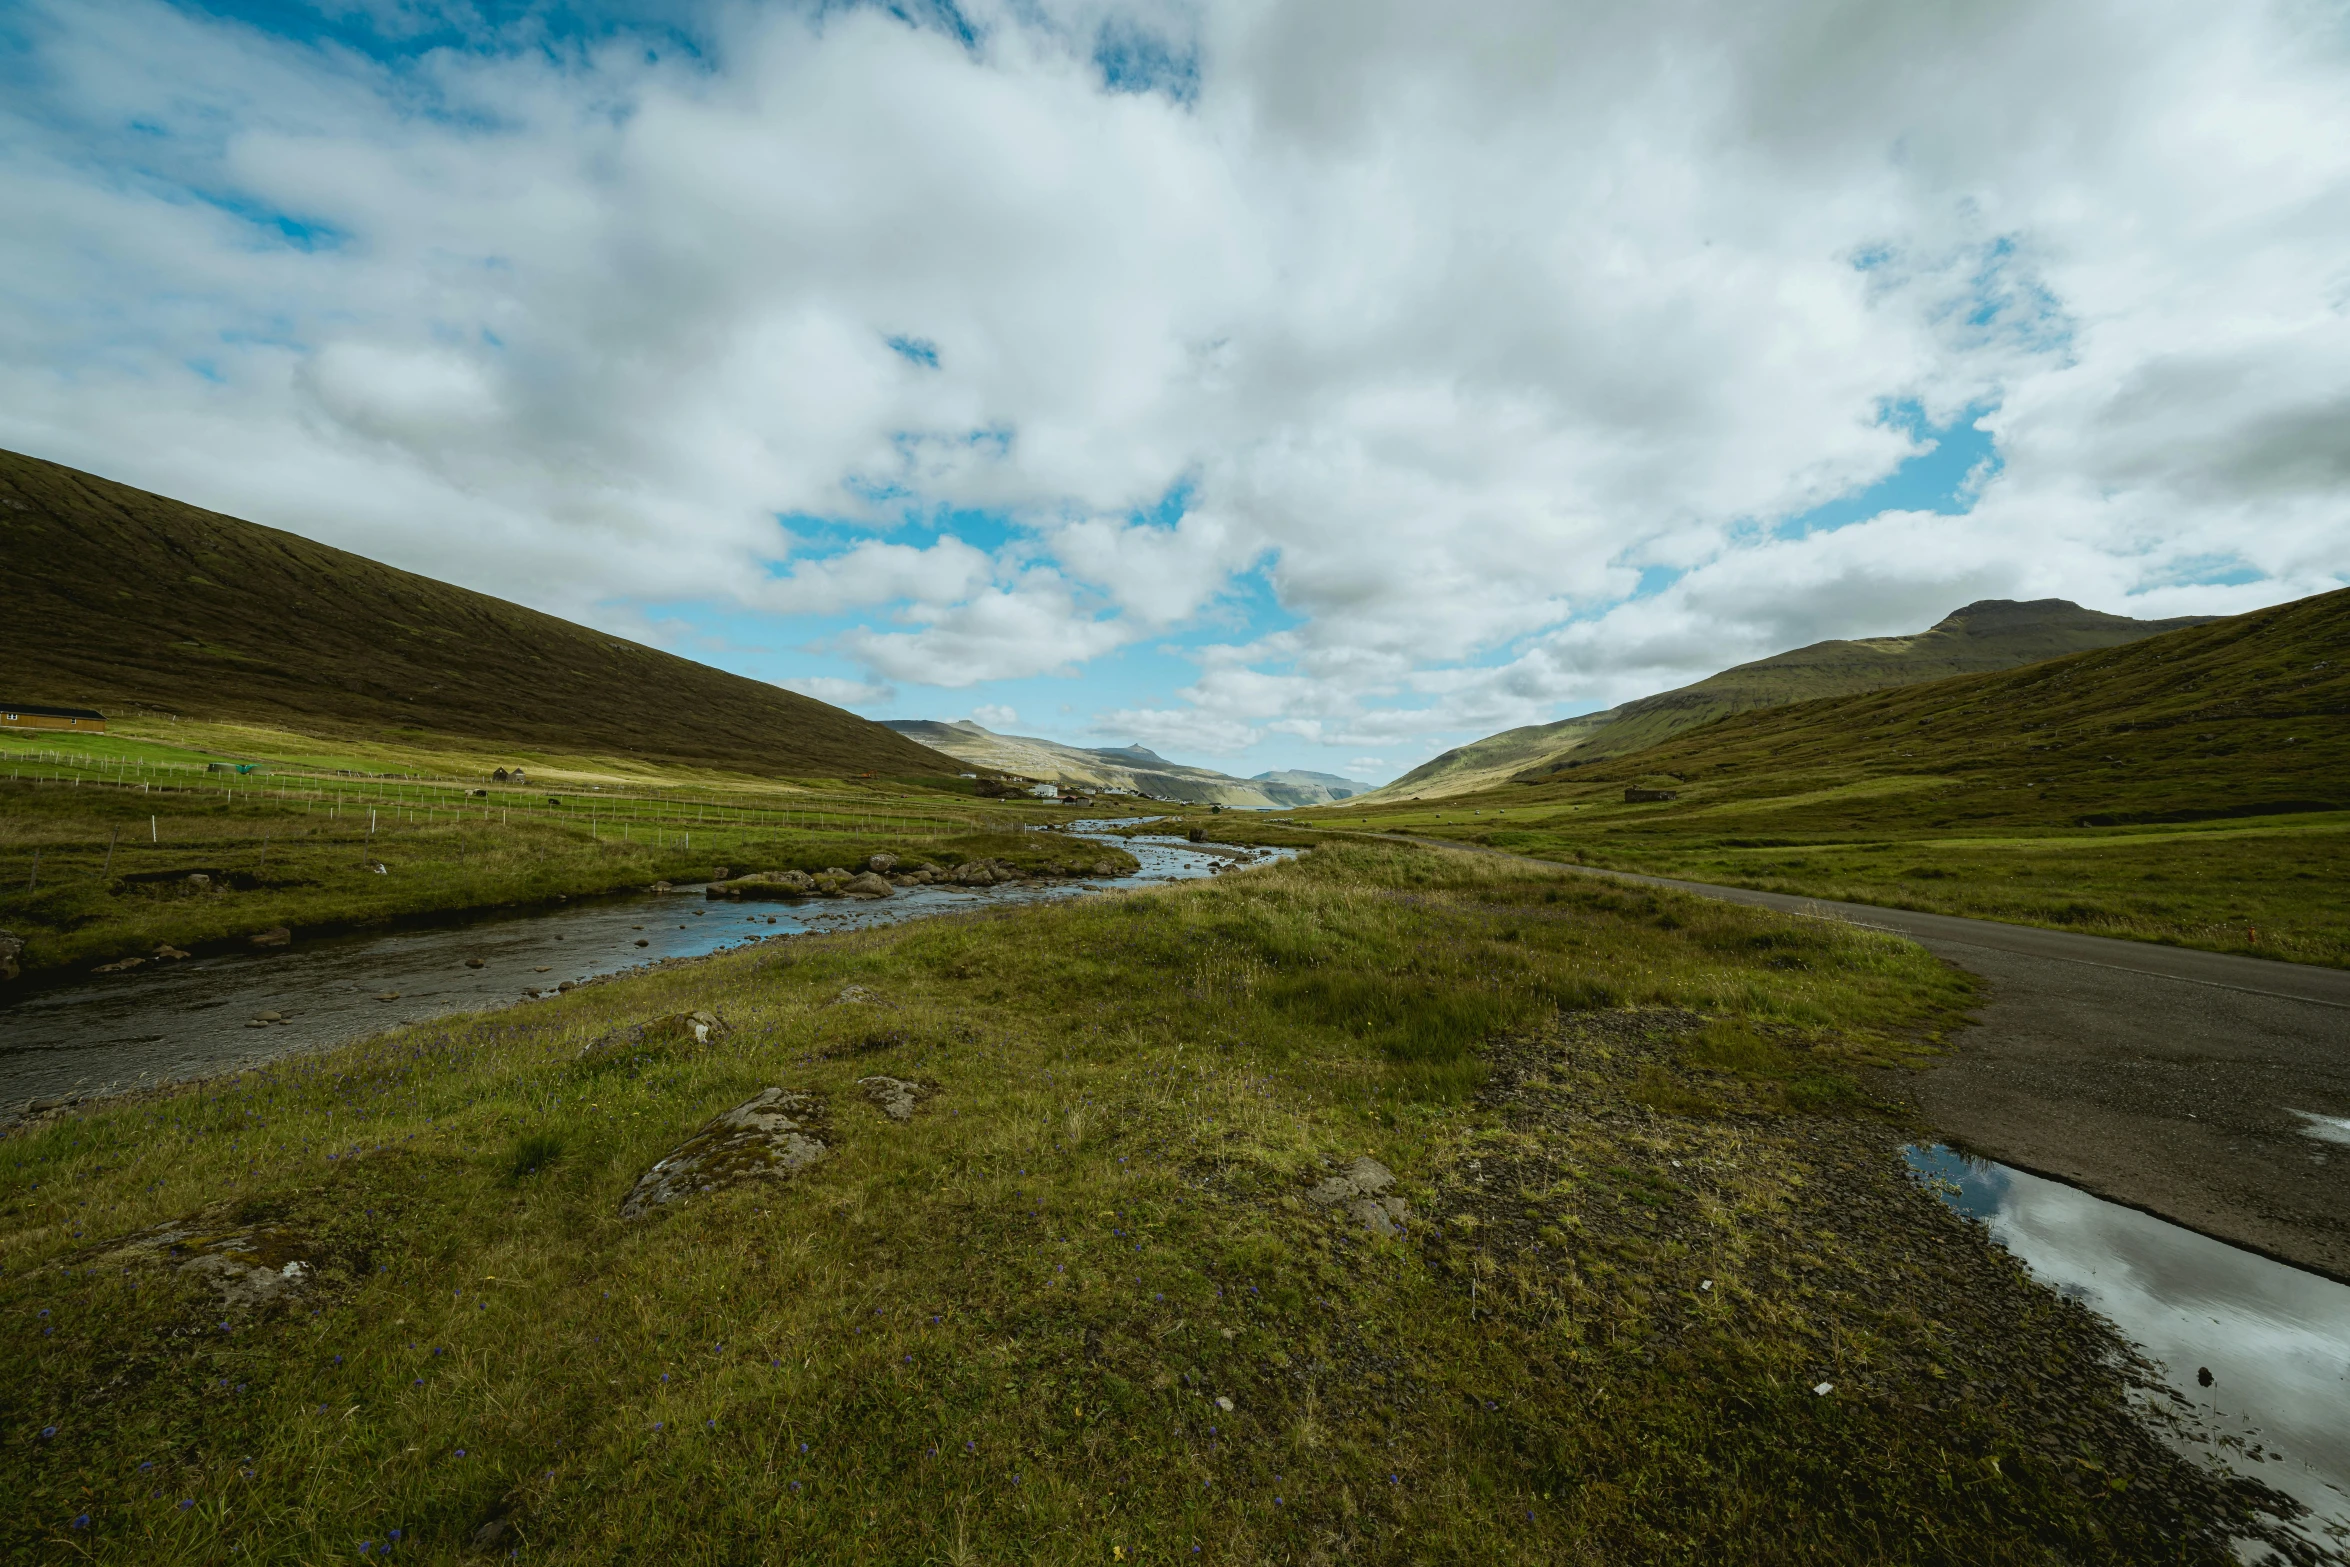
(102, 838)
(2190, 788)
(1078, 1310)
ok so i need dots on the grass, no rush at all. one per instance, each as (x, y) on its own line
(2188, 788)
(1008, 1329)
(100, 838)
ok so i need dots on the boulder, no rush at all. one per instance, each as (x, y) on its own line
(275, 936)
(118, 966)
(676, 1028)
(246, 1266)
(199, 882)
(165, 952)
(1361, 1190)
(721, 873)
(1104, 868)
(770, 1136)
(894, 1096)
(765, 884)
(882, 864)
(867, 885)
(851, 995)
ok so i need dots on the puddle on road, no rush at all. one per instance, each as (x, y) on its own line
(2325, 1128)
(2274, 1339)
(170, 1021)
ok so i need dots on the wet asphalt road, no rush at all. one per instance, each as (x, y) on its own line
(2205, 1088)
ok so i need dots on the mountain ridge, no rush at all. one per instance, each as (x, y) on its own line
(1134, 767)
(1979, 638)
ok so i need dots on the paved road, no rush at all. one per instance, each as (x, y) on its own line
(2174, 1081)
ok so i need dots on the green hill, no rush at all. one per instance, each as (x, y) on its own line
(2191, 788)
(2235, 717)
(1989, 635)
(134, 603)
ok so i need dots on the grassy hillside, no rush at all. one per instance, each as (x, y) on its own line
(1494, 760)
(1081, 1307)
(140, 605)
(1990, 635)
(2186, 788)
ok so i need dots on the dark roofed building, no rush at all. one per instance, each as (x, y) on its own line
(81, 720)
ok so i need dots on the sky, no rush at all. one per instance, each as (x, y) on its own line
(1283, 384)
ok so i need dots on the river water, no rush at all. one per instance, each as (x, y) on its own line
(2256, 1353)
(166, 1022)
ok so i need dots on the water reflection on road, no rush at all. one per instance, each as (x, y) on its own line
(195, 1018)
(2273, 1339)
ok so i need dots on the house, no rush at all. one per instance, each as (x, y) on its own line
(81, 720)
(1045, 791)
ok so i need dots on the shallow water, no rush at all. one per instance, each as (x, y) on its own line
(2274, 1339)
(168, 1021)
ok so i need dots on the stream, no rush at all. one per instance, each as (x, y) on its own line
(168, 1022)
(2255, 1353)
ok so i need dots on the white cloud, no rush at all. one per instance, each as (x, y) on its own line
(991, 715)
(1452, 324)
(842, 693)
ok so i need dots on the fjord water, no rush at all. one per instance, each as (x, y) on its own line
(2274, 1340)
(166, 1022)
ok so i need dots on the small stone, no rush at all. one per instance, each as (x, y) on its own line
(1361, 1189)
(853, 995)
(1823, 1388)
(894, 1096)
(200, 881)
(473, 963)
(275, 936)
(640, 941)
(389, 995)
(1224, 1404)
